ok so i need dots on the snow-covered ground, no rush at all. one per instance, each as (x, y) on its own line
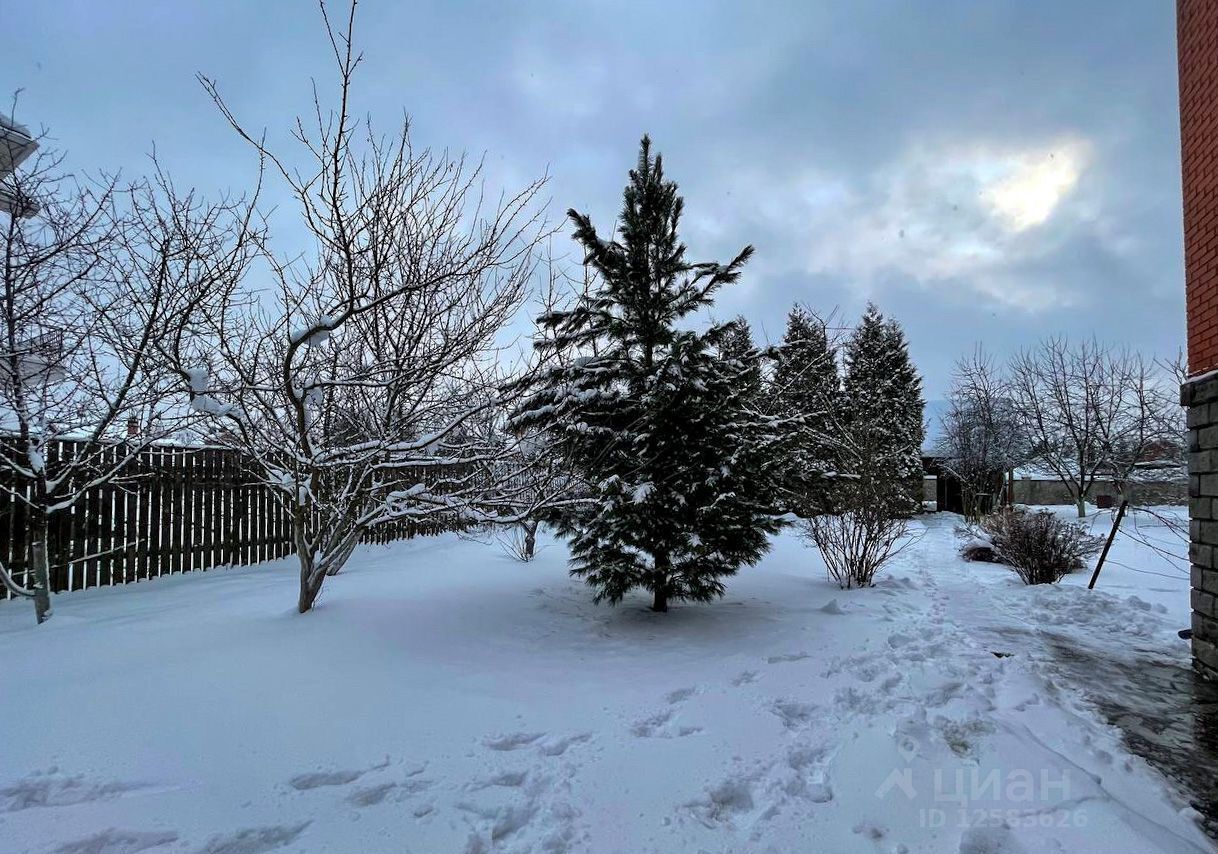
(444, 698)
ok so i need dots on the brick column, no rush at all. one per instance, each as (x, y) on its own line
(1197, 40)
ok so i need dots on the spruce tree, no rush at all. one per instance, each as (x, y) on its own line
(883, 408)
(738, 346)
(653, 417)
(806, 394)
(909, 412)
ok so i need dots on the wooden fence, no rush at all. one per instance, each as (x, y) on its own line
(177, 509)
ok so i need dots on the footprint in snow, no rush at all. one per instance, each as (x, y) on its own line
(674, 697)
(507, 780)
(963, 737)
(811, 780)
(661, 725)
(536, 806)
(732, 804)
(868, 670)
(745, 678)
(304, 782)
(254, 840)
(114, 841)
(1022, 706)
(870, 830)
(53, 789)
(793, 714)
(943, 694)
(557, 746)
(372, 795)
(340, 777)
(898, 639)
(722, 803)
(790, 656)
(990, 839)
(511, 741)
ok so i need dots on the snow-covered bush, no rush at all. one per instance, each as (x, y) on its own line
(856, 544)
(1038, 546)
(858, 540)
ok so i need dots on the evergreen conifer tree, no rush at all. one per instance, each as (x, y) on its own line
(653, 416)
(738, 346)
(806, 394)
(883, 409)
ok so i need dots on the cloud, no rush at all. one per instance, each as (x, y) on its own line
(966, 165)
(948, 216)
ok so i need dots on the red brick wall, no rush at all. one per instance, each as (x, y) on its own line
(1197, 37)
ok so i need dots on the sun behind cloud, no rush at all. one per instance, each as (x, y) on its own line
(1035, 183)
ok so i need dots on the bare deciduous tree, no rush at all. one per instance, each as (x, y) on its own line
(982, 434)
(1090, 411)
(1149, 432)
(92, 285)
(369, 385)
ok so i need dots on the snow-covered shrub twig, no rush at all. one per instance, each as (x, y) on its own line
(977, 545)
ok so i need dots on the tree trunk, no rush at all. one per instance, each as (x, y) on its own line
(39, 526)
(42, 574)
(1082, 488)
(660, 600)
(660, 584)
(310, 585)
(530, 539)
(310, 579)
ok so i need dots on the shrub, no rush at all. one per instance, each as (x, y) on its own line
(1039, 547)
(856, 544)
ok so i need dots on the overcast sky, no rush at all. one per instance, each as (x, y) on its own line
(984, 171)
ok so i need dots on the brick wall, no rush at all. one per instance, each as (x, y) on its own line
(1197, 34)
(1197, 41)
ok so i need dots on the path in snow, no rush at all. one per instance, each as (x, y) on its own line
(1120, 655)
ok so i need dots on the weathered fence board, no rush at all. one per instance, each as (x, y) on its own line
(175, 509)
